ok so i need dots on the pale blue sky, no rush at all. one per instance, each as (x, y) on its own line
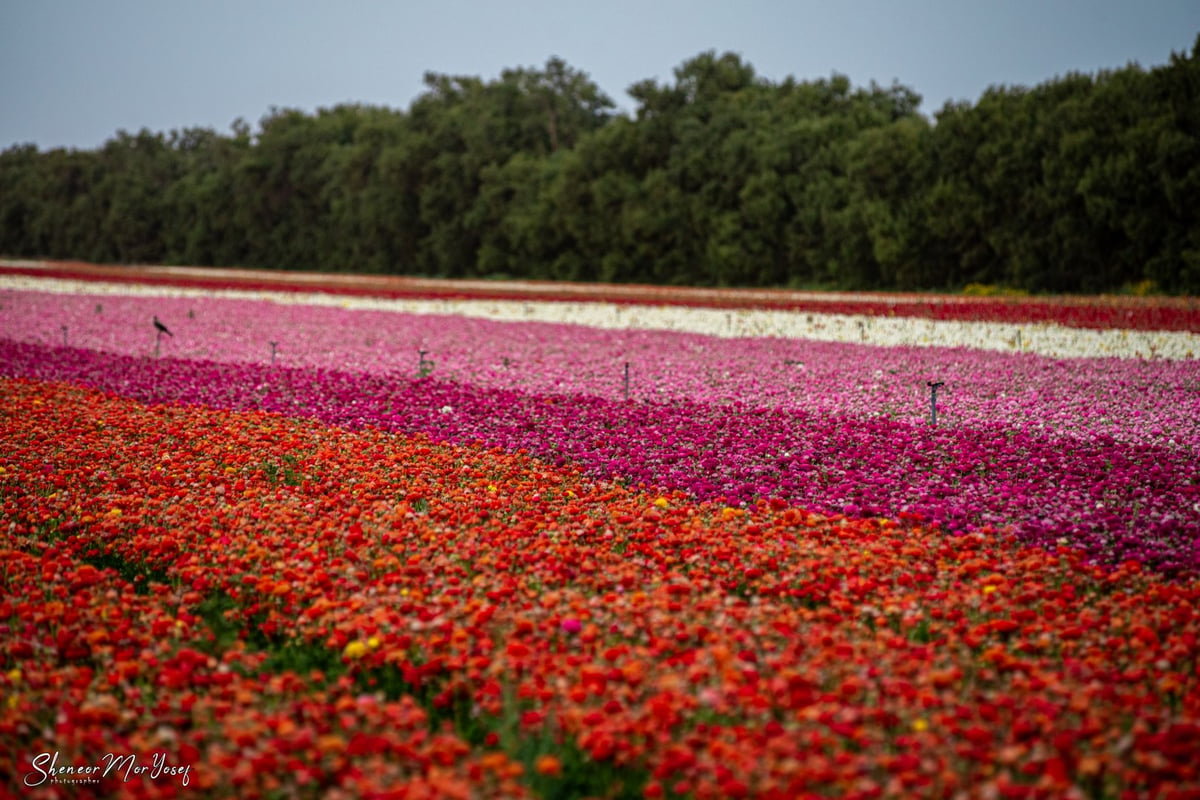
(73, 72)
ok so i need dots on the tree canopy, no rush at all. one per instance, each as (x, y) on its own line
(1084, 183)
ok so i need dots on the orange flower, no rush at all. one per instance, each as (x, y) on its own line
(706, 655)
(548, 765)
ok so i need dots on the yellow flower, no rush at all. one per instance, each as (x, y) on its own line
(354, 650)
(373, 642)
(991, 587)
(492, 488)
(920, 725)
(14, 675)
(661, 502)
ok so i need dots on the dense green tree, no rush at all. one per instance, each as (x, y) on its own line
(889, 170)
(200, 203)
(717, 177)
(20, 229)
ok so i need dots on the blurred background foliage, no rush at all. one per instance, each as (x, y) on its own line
(1084, 183)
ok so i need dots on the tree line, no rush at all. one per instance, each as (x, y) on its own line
(1084, 183)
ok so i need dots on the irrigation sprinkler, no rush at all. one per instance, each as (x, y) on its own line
(1019, 340)
(626, 380)
(273, 346)
(159, 330)
(424, 367)
(64, 330)
(933, 387)
(99, 308)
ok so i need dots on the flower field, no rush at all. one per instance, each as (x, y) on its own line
(344, 549)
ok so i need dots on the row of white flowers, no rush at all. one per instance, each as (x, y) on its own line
(1056, 341)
